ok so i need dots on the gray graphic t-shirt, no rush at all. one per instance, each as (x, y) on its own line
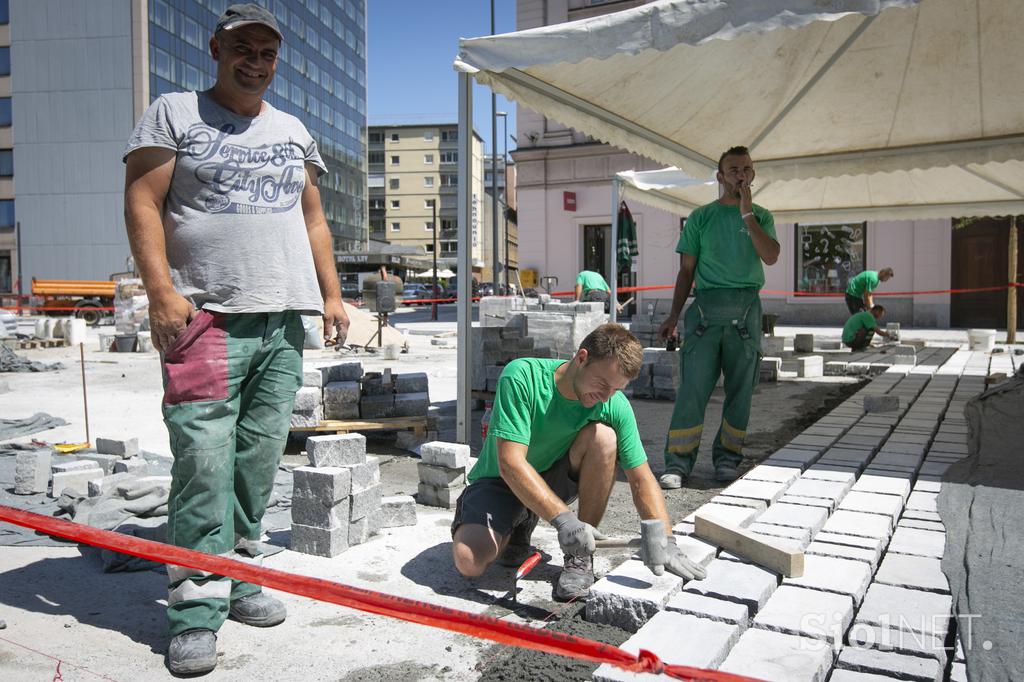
(236, 236)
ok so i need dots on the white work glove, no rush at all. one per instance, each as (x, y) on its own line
(676, 562)
(575, 537)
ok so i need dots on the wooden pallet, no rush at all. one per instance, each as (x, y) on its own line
(417, 424)
(31, 344)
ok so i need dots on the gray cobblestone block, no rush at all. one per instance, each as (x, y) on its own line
(336, 450)
(938, 527)
(451, 455)
(807, 613)
(725, 513)
(904, 349)
(913, 572)
(338, 393)
(918, 542)
(325, 542)
(793, 457)
(32, 471)
(810, 366)
(326, 485)
(770, 368)
(312, 378)
(741, 583)
(309, 511)
(835, 369)
(794, 538)
(128, 447)
(365, 475)
(705, 646)
(829, 344)
(874, 544)
(630, 595)
(664, 393)
(307, 399)
(832, 574)
(345, 371)
(773, 346)
(889, 639)
(868, 556)
(794, 516)
(907, 610)
(811, 442)
(665, 369)
(440, 476)
(411, 404)
(438, 496)
(312, 419)
(830, 472)
(664, 382)
(136, 466)
(342, 411)
(373, 384)
(845, 522)
(709, 608)
(100, 486)
(922, 515)
(858, 368)
(360, 530)
(766, 655)
(759, 505)
(398, 510)
(873, 503)
(364, 501)
(415, 382)
(60, 466)
(803, 343)
(868, 665)
(75, 482)
(377, 406)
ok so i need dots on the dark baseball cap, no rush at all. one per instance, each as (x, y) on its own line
(244, 15)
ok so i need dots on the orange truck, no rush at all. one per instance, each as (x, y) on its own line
(85, 299)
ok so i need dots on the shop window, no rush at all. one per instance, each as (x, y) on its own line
(827, 256)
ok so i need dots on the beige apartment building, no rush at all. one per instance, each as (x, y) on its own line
(413, 168)
(8, 240)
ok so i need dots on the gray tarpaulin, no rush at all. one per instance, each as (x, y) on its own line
(40, 421)
(982, 507)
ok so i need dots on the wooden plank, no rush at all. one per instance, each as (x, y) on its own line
(383, 424)
(755, 548)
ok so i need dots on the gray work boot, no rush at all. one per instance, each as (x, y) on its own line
(519, 548)
(575, 579)
(726, 473)
(672, 480)
(192, 653)
(260, 610)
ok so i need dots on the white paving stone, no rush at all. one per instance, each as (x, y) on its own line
(630, 595)
(874, 544)
(778, 474)
(764, 491)
(816, 487)
(907, 610)
(733, 581)
(918, 542)
(768, 655)
(794, 516)
(823, 502)
(808, 613)
(873, 503)
(884, 665)
(864, 554)
(828, 472)
(923, 501)
(831, 574)
(794, 538)
(858, 523)
(736, 516)
(915, 572)
(709, 607)
(889, 485)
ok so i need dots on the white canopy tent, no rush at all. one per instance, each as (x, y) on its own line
(878, 108)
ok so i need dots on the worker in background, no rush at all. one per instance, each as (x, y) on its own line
(722, 249)
(591, 286)
(229, 271)
(859, 290)
(862, 326)
(557, 431)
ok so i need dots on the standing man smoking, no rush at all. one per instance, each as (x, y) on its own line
(225, 223)
(722, 248)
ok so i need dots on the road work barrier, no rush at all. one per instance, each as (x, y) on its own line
(401, 608)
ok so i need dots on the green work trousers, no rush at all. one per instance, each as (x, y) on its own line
(229, 389)
(722, 336)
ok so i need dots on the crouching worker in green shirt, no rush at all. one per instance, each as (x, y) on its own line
(557, 430)
(859, 329)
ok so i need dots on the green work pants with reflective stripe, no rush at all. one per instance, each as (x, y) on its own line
(229, 389)
(722, 335)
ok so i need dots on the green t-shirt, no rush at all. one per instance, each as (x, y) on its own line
(592, 280)
(866, 281)
(528, 409)
(717, 237)
(861, 320)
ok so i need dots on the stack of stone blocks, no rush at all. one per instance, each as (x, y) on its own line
(442, 470)
(645, 328)
(83, 474)
(659, 376)
(344, 392)
(337, 501)
(856, 492)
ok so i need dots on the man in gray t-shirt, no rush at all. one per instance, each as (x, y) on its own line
(225, 223)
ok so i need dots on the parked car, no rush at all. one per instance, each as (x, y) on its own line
(417, 294)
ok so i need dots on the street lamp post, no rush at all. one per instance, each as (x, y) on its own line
(495, 247)
(433, 307)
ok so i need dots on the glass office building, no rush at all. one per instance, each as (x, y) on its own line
(321, 79)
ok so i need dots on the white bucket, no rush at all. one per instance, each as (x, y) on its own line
(40, 330)
(145, 342)
(981, 339)
(74, 331)
(48, 330)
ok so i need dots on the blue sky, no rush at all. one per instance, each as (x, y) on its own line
(410, 48)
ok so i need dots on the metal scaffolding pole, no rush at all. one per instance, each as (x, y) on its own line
(464, 369)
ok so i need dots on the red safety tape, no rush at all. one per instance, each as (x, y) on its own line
(808, 294)
(53, 308)
(401, 608)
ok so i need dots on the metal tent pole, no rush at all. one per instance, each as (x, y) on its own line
(464, 371)
(614, 283)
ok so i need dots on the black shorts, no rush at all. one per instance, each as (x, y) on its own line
(490, 502)
(854, 304)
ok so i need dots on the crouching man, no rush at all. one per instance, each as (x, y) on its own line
(557, 430)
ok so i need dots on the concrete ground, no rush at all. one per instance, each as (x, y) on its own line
(63, 615)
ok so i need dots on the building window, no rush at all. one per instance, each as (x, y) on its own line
(428, 159)
(428, 181)
(430, 249)
(394, 160)
(396, 227)
(5, 61)
(393, 183)
(428, 203)
(449, 157)
(428, 135)
(449, 135)
(375, 157)
(7, 213)
(5, 12)
(449, 180)
(827, 256)
(377, 204)
(395, 203)
(394, 137)
(5, 111)
(375, 137)
(450, 247)
(6, 163)
(429, 226)
(447, 224)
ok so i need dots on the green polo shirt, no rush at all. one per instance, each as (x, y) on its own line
(858, 321)
(866, 281)
(592, 280)
(528, 409)
(717, 237)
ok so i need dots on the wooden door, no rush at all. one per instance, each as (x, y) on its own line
(980, 252)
